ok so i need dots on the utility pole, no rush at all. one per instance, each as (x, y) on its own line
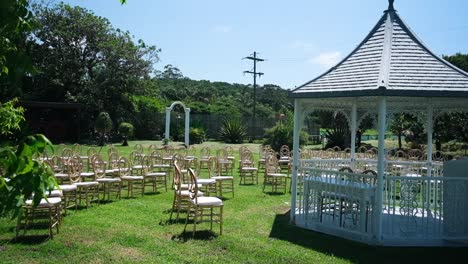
(254, 58)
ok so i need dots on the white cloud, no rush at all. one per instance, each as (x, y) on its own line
(222, 29)
(303, 46)
(327, 59)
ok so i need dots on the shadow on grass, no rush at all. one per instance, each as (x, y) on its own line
(357, 252)
(205, 235)
(152, 193)
(274, 193)
(27, 240)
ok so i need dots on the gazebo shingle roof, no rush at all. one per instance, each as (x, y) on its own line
(390, 61)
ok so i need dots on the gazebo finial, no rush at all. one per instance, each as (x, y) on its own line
(390, 5)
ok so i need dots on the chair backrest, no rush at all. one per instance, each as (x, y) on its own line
(147, 164)
(135, 158)
(151, 148)
(401, 155)
(192, 152)
(112, 149)
(138, 147)
(74, 168)
(76, 149)
(205, 152)
(246, 157)
(91, 151)
(336, 148)
(177, 176)
(346, 169)
(124, 167)
(285, 152)
(56, 164)
(99, 166)
(415, 154)
(66, 153)
(193, 185)
(271, 164)
(92, 158)
(229, 150)
(221, 153)
(371, 180)
(113, 161)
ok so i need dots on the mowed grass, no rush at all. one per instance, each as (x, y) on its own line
(256, 230)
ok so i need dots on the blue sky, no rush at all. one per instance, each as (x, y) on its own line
(300, 39)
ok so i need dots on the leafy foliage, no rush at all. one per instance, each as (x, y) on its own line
(21, 176)
(197, 135)
(232, 131)
(103, 125)
(337, 132)
(83, 59)
(126, 131)
(16, 22)
(282, 134)
(10, 117)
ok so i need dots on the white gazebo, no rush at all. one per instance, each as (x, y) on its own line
(390, 71)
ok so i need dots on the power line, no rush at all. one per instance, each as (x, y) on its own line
(255, 59)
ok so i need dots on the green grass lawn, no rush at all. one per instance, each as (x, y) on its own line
(256, 230)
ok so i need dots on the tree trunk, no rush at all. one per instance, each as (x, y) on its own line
(399, 140)
(125, 142)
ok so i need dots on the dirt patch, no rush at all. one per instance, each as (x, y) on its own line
(129, 253)
(3, 248)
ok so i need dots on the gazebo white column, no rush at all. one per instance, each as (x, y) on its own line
(297, 130)
(168, 122)
(429, 130)
(380, 169)
(353, 133)
(187, 126)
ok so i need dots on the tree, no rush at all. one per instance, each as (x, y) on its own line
(400, 124)
(82, 58)
(126, 131)
(15, 25)
(103, 125)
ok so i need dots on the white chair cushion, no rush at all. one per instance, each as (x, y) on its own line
(68, 187)
(279, 175)
(186, 193)
(53, 201)
(206, 181)
(85, 184)
(55, 193)
(155, 174)
(249, 169)
(104, 180)
(223, 178)
(132, 178)
(207, 201)
(186, 186)
(61, 175)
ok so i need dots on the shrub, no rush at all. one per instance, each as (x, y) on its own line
(126, 131)
(197, 135)
(232, 131)
(103, 125)
(282, 134)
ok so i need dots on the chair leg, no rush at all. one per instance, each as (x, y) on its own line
(194, 220)
(186, 219)
(221, 220)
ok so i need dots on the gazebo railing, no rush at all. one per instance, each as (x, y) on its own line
(416, 207)
(425, 208)
(334, 202)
